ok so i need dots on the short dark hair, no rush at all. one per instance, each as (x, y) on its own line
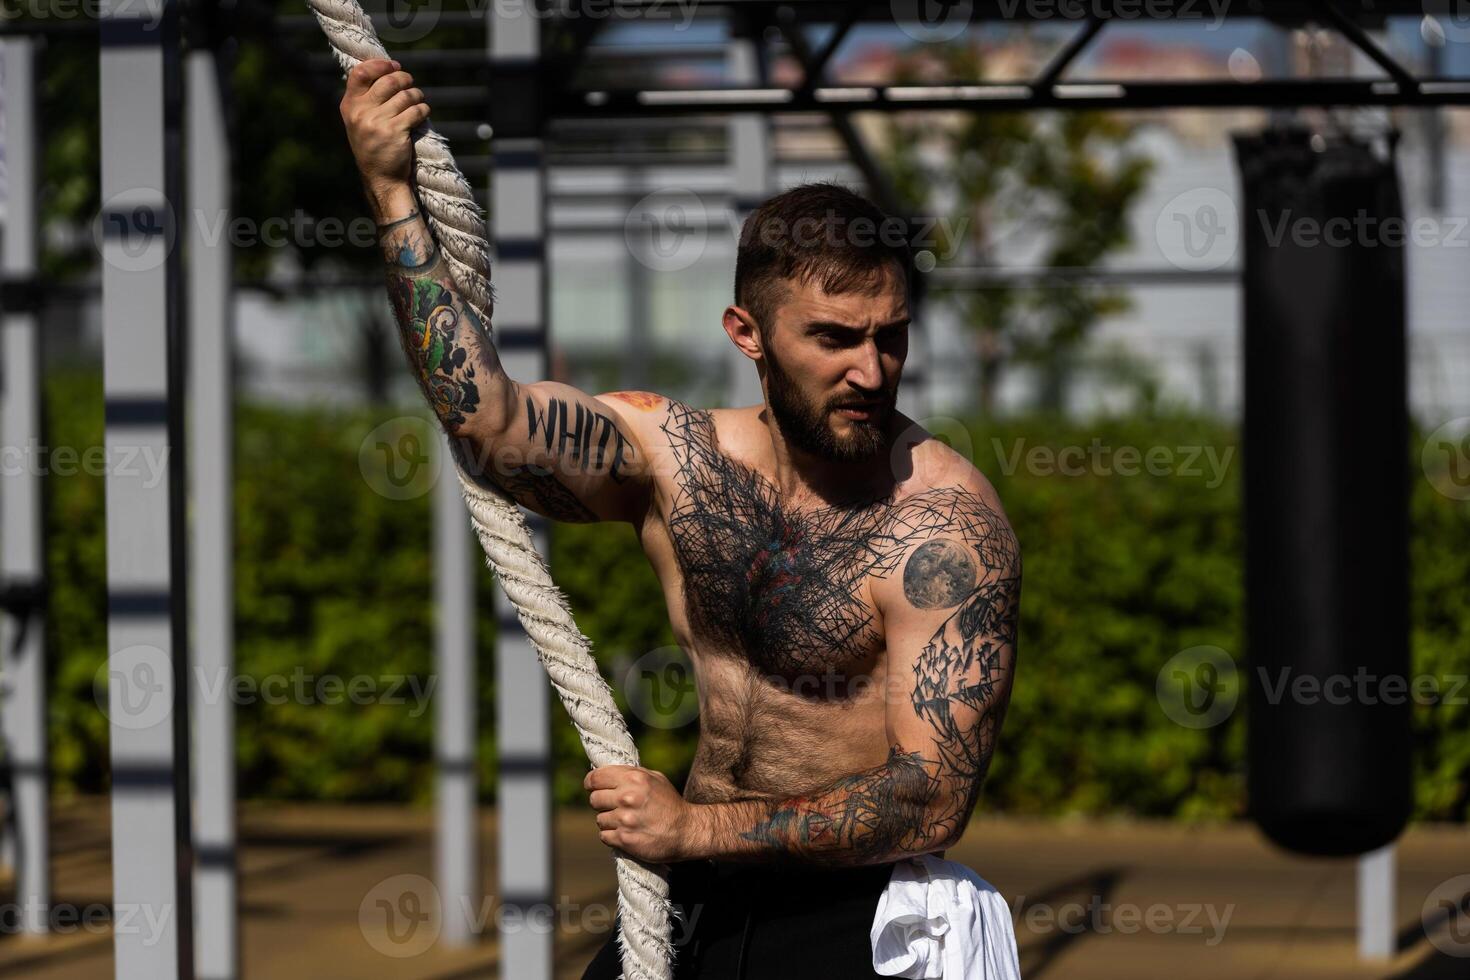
(820, 232)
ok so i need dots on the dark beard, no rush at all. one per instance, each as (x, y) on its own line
(805, 425)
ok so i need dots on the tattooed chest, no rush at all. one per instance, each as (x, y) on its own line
(778, 586)
(783, 587)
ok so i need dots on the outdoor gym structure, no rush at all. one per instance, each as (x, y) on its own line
(1323, 594)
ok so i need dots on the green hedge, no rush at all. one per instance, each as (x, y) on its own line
(1121, 572)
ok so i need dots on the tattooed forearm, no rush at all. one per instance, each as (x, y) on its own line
(872, 816)
(447, 346)
(879, 815)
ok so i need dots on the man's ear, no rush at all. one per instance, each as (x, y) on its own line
(743, 333)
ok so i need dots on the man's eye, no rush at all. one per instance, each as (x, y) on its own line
(831, 340)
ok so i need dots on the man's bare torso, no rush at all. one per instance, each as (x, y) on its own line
(772, 598)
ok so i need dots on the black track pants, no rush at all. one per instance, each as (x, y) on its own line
(754, 922)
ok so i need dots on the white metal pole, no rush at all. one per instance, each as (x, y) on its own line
(523, 711)
(211, 445)
(1377, 880)
(147, 676)
(22, 518)
(457, 839)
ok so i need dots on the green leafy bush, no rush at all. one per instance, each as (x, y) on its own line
(1121, 572)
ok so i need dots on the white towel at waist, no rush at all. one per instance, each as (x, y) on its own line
(939, 919)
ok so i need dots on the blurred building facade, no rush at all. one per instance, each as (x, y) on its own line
(625, 314)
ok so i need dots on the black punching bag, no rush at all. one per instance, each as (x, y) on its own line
(1326, 485)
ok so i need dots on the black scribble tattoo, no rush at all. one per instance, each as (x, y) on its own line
(955, 681)
(545, 494)
(782, 587)
(537, 487)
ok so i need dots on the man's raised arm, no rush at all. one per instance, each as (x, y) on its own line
(949, 621)
(557, 450)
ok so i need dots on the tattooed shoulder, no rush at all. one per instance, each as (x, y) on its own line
(939, 574)
(961, 537)
(644, 401)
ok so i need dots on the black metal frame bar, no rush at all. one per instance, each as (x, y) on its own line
(992, 97)
(814, 66)
(1074, 47)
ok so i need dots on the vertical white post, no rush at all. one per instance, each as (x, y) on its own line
(211, 448)
(457, 842)
(750, 181)
(523, 713)
(636, 372)
(1377, 879)
(22, 526)
(147, 668)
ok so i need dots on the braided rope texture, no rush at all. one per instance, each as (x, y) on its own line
(457, 224)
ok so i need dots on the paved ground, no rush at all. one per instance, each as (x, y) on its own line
(1094, 901)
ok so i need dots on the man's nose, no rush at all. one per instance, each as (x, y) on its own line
(867, 371)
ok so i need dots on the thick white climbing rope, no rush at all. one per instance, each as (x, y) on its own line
(455, 220)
